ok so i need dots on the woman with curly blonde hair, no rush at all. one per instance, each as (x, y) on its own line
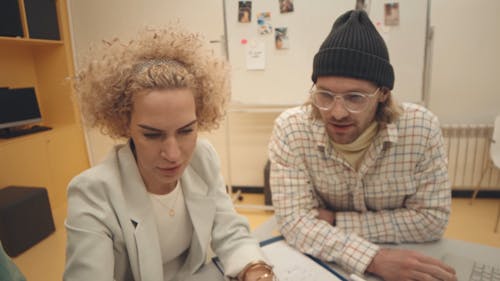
(153, 207)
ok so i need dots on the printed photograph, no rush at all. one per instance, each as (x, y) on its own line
(286, 6)
(281, 38)
(244, 11)
(264, 23)
(391, 13)
(362, 5)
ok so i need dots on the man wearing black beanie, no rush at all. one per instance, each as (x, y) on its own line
(352, 168)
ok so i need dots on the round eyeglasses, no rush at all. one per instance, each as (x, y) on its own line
(353, 102)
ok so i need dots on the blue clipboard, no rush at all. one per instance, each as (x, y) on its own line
(218, 264)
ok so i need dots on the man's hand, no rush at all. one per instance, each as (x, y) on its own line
(402, 265)
(326, 215)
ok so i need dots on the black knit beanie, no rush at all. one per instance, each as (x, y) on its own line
(354, 48)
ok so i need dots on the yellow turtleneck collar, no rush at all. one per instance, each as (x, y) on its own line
(353, 152)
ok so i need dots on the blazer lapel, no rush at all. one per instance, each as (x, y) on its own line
(143, 243)
(201, 208)
(145, 257)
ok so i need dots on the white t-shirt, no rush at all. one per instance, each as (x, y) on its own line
(175, 229)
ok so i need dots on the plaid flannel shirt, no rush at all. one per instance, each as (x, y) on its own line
(400, 193)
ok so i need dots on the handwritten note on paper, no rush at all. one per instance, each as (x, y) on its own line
(256, 55)
(292, 265)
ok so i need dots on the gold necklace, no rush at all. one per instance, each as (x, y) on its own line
(171, 209)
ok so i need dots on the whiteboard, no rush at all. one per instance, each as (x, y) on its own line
(286, 77)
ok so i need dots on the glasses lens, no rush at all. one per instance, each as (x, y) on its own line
(352, 101)
(322, 99)
(355, 101)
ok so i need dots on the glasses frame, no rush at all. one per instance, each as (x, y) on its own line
(312, 91)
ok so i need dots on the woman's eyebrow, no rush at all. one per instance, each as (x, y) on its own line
(149, 128)
(188, 124)
(161, 131)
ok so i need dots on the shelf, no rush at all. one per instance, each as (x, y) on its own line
(259, 108)
(49, 158)
(30, 42)
(28, 137)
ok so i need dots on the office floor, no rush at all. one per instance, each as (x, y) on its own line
(473, 223)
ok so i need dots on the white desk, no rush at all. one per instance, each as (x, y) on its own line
(437, 249)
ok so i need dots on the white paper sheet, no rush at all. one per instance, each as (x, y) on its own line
(291, 265)
(255, 55)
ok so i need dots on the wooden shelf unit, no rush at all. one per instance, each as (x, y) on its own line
(51, 158)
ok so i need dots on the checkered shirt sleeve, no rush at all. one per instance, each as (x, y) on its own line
(400, 193)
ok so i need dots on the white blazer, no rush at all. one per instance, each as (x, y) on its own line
(111, 229)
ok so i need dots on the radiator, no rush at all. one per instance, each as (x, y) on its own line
(468, 156)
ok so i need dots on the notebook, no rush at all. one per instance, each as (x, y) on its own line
(291, 265)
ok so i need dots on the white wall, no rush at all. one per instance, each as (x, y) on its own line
(464, 77)
(307, 26)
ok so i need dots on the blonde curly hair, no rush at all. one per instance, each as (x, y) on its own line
(157, 59)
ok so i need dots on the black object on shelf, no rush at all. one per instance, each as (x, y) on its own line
(18, 109)
(10, 19)
(15, 132)
(25, 218)
(42, 19)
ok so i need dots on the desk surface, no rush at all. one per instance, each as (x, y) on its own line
(437, 249)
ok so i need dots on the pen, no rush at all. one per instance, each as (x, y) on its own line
(354, 277)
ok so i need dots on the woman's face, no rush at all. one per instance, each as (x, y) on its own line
(163, 127)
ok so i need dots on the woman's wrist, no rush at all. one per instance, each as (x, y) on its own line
(256, 271)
